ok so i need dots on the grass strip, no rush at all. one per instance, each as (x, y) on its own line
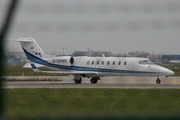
(19, 71)
(52, 103)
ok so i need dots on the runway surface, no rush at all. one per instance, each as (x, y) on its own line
(105, 82)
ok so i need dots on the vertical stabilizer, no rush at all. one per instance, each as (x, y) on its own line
(31, 48)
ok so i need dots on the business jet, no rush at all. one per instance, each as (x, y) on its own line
(90, 67)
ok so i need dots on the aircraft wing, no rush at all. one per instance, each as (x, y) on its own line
(35, 69)
(71, 72)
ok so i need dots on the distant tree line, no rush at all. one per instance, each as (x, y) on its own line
(171, 57)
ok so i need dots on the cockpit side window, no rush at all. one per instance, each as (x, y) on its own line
(142, 62)
(146, 62)
(150, 62)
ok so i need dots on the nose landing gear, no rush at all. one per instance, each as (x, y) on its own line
(158, 81)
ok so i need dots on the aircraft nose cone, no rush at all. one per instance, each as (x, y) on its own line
(165, 71)
(170, 72)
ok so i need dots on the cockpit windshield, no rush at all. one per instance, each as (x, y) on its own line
(146, 62)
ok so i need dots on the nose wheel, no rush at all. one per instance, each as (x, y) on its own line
(158, 81)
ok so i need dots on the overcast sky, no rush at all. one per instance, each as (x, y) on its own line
(119, 26)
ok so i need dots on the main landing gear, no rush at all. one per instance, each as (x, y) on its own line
(94, 80)
(158, 81)
(78, 80)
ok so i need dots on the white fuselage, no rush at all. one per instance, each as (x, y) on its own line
(108, 66)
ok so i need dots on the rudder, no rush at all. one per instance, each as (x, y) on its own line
(30, 47)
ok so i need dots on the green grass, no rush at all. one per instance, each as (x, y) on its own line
(173, 67)
(33, 103)
(18, 71)
(176, 71)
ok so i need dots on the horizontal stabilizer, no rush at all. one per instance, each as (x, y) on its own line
(35, 69)
(25, 39)
(20, 40)
(28, 65)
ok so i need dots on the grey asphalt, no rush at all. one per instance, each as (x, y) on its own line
(105, 82)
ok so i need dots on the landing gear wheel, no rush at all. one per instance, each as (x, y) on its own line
(78, 81)
(158, 81)
(94, 80)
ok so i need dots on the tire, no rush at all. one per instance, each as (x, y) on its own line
(78, 81)
(158, 81)
(94, 80)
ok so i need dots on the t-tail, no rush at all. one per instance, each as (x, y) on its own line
(31, 49)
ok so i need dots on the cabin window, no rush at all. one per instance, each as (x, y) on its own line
(97, 62)
(125, 62)
(92, 63)
(119, 63)
(88, 62)
(113, 63)
(102, 63)
(107, 62)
